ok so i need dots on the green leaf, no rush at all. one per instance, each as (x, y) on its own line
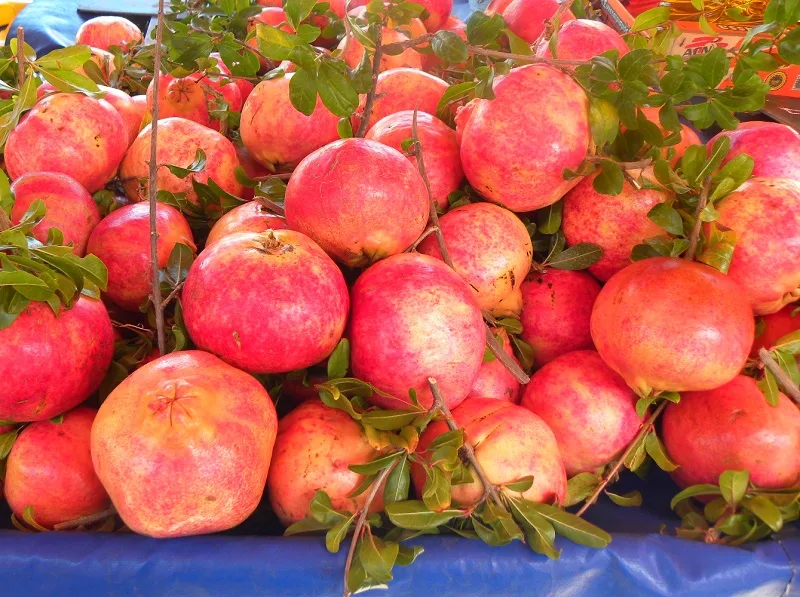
(573, 527)
(414, 515)
(769, 386)
(339, 361)
(789, 47)
(7, 442)
(344, 128)
(789, 343)
(548, 219)
(667, 217)
(397, 483)
(378, 557)
(389, 420)
(483, 29)
(407, 554)
(307, 525)
(334, 537)
(336, 90)
(516, 44)
(765, 510)
(197, 165)
(179, 263)
(489, 534)
(577, 257)
(788, 363)
(297, 11)
(733, 485)
(454, 438)
(323, 511)
(694, 491)
(69, 81)
(70, 58)
(604, 121)
(26, 284)
(453, 94)
(633, 63)
(275, 43)
(448, 46)
(632, 499)
(375, 466)
(651, 18)
(436, 491)
(539, 533)
(521, 485)
(610, 178)
(657, 452)
(580, 487)
(303, 91)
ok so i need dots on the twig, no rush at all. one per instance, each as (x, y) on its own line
(21, 56)
(428, 231)
(279, 176)
(376, 69)
(548, 30)
(173, 294)
(639, 165)
(698, 223)
(5, 222)
(644, 429)
(362, 519)
(152, 186)
(783, 378)
(400, 46)
(85, 520)
(525, 58)
(270, 205)
(489, 488)
(491, 341)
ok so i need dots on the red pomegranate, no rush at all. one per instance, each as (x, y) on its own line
(248, 217)
(494, 380)
(250, 296)
(774, 147)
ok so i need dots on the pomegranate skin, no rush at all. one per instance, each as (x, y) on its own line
(510, 443)
(590, 409)
(616, 223)
(179, 140)
(66, 358)
(645, 330)
(413, 318)
(442, 159)
(774, 147)
(232, 280)
(248, 217)
(583, 39)
(314, 448)
(359, 199)
(50, 468)
(70, 133)
(556, 309)
(489, 246)
(514, 159)
(776, 326)
(106, 31)
(526, 18)
(765, 215)
(275, 133)
(494, 381)
(183, 445)
(69, 207)
(733, 428)
(122, 242)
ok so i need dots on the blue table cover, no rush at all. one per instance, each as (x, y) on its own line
(639, 561)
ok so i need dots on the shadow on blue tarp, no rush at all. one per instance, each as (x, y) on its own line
(638, 562)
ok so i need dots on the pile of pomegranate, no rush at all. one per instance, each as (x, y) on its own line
(189, 442)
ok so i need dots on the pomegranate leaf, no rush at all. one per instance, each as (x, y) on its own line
(389, 420)
(694, 491)
(398, 483)
(415, 515)
(334, 537)
(339, 361)
(733, 485)
(483, 29)
(448, 46)
(764, 509)
(576, 257)
(632, 499)
(769, 386)
(650, 18)
(573, 527)
(580, 487)
(335, 89)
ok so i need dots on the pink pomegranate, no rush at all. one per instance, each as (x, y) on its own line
(360, 200)
(527, 18)
(106, 31)
(248, 217)
(583, 39)
(774, 147)
(413, 318)
(494, 381)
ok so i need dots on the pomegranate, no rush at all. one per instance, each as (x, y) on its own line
(122, 242)
(127, 108)
(517, 160)
(70, 208)
(590, 409)
(645, 330)
(733, 428)
(305, 293)
(510, 443)
(69, 133)
(510, 306)
(278, 136)
(438, 13)
(776, 326)
(248, 217)
(556, 308)
(616, 223)
(527, 18)
(774, 147)
(183, 445)
(583, 39)
(413, 318)
(67, 357)
(352, 51)
(194, 97)
(489, 246)
(104, 32)
(360, 200)
(313, 450)
(765, 214)
(688, 136)
(494, 381)
(457, 26)
(179, 140)
(403, 89)
(274, 17)
(442, 159)
(50, 468)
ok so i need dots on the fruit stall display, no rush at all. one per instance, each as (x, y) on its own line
(360, 274)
